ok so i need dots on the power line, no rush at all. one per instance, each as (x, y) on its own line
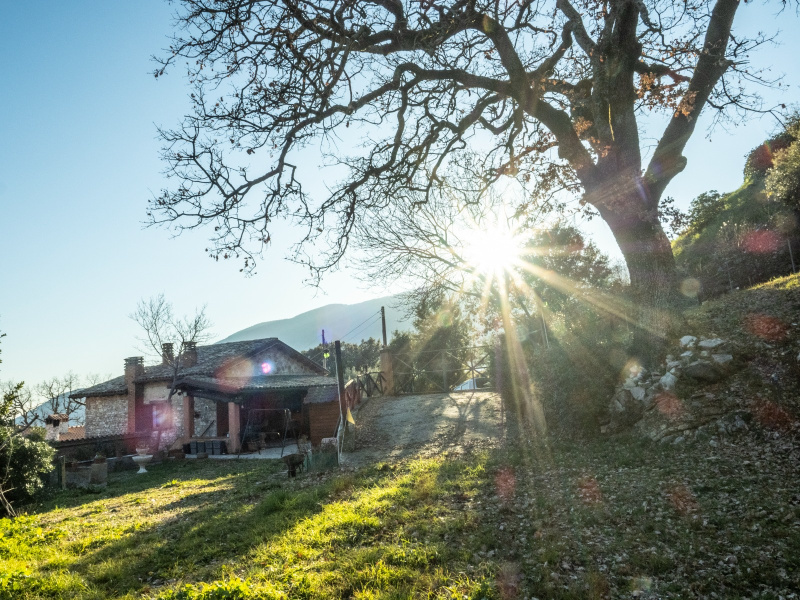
(371, 323)
(372, 316)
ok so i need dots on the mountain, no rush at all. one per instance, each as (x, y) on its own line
(345, 322)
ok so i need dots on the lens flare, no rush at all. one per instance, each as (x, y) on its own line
(266, 368)
(493, 251)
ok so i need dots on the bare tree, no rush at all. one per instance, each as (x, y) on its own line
(170, 338)
(22, 404)
(55, 392)
(550, 92)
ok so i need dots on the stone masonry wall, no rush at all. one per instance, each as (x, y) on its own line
(279, 364)
(106, 416)
(208, 413)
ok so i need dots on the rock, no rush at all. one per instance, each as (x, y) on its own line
(702, 370)
(739, 424)
(687, 354)
(722, 359)
(711, 344)
(673, 364)
(798, 356)
(678, 440)
(649, 399)
(688, 341)
(668, 381)
(627, 409)
(637, 393)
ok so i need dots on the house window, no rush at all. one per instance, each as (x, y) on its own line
(162, 416)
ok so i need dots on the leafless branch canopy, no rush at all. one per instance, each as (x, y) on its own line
(548, 91)
(160, 326)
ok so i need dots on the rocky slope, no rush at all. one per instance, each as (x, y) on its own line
(737, 368)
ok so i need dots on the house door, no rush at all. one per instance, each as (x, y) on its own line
(222, 419)
(144, 415)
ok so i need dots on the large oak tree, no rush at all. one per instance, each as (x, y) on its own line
(549, 92)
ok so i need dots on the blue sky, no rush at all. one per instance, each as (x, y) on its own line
(79, 159)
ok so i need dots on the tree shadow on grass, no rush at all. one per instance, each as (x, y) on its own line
(219, 521)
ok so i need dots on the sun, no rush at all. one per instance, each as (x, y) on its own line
(493, 250)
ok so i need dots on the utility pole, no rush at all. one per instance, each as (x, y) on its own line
(324, 352)
(383, 325)
(337, 348)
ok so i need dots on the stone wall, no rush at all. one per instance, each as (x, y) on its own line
(269, 362)
(106, 416)
(208, 414)
(155, 392)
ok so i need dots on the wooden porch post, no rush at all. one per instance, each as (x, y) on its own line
(188, 417)
(234, 424)
(388, 372)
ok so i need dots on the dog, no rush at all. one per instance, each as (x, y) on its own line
(293, 462)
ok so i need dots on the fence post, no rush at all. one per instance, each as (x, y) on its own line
(388, 372)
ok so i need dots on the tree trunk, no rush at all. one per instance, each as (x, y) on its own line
(654, 291)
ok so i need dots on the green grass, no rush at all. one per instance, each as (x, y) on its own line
(571, 521)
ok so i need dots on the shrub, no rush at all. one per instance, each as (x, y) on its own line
(23, 463)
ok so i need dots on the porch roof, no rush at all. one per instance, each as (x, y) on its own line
(233, 388)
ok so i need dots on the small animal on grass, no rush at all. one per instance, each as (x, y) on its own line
(293, 462)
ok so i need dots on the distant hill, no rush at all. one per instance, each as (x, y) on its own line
(345, 322)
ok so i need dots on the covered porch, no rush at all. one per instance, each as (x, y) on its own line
(261, 415)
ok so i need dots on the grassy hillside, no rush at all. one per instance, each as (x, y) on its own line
(742, 242)
(606, 519)
(714, 516)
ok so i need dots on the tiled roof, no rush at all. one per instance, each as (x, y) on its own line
(74, 433)
(209, 360)
(246, 385)
(112, 387)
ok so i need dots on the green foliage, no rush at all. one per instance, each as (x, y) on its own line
(762, 158)
(574, 364)
(23, 460)
(735, 240)
(357, 358)
(23, 463)
(436, 352)
(704, 209)
(783, 179)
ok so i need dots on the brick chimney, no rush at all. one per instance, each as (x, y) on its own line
(134, 367)
(55, 427)
(167, 354)
(189, 354)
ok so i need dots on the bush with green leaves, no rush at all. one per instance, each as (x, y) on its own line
(783, 179)
(24, 461)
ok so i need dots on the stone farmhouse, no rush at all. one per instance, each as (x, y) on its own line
(239, 393)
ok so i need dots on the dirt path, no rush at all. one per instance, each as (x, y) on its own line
(392, 428)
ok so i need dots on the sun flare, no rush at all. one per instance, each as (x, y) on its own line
(493, 251)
